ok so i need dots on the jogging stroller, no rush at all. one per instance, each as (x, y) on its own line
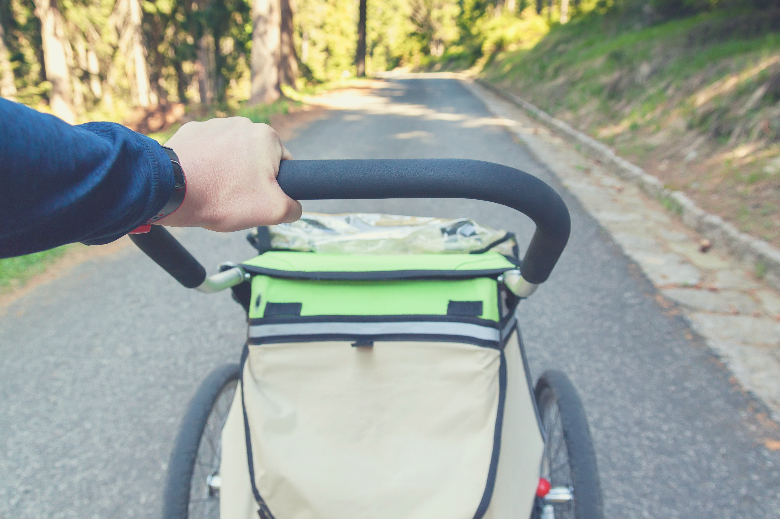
(384, 374)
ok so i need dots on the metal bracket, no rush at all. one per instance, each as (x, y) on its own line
(226, 279)
(516, 284)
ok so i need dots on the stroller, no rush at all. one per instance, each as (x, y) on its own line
(384, 374)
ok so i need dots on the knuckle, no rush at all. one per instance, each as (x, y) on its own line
(279, 210)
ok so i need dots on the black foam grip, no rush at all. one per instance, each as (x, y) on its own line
(167, 252)
(441, 178)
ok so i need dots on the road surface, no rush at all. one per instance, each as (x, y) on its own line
(96, 367)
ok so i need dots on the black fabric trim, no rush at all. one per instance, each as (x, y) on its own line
(261, 240)
(465, 308)
(374, 319)
(278, 309)
(377, 276)
(530, 382)
(508, 236)
(263, 511)
(505, 338)
(389, 337)
(508, 302)
(493, 470)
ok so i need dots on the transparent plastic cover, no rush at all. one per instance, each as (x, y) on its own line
(387, 234)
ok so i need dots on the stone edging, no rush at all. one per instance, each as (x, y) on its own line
(755, 253)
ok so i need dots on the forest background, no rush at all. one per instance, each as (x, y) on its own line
(687, 89)
(87, 59)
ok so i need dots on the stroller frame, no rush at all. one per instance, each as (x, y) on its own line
(561, 470)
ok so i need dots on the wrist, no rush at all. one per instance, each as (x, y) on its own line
(176, 199)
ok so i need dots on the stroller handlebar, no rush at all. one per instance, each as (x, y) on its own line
(405, 178)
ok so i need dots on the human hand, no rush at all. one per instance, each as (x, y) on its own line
(231, 166)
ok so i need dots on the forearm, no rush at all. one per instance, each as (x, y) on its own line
(60, 184)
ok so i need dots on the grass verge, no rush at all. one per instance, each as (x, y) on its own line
(695, 102)
(16, 272)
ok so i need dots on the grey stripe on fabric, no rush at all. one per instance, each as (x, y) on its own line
(417, 328)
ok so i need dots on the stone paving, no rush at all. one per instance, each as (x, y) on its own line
(737, 315)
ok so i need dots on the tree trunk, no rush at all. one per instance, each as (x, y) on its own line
(360, 59)
(7, 86)
(304, 47)
(498, 8)
(564, 11)
(217, 77)
(93, 66)
(54, 60)
(77, 64)
(204, 68)
(266, 21)
(156, 71)
(181, 81)
(139, 55)
(288, 66)
(539, 5)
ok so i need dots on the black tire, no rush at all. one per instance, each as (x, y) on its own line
(569, 460)
(189, 491)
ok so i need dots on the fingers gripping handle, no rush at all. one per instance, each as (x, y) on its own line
(441, 178)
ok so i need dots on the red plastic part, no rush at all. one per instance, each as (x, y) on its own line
(543, 488)
(141, 229)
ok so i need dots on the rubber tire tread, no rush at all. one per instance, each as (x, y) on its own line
(576, 433)
(182, 463)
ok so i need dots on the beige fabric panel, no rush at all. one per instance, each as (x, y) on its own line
(400, 430)
(522, 445)
(235, 495)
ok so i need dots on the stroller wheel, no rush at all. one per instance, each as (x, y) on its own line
(193, 483)
(569, 462)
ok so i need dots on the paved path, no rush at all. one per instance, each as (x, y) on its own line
(736, 314)
(97, 366)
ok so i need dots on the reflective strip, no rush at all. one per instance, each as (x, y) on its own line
(475, 331)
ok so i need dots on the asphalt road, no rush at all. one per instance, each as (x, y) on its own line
(96, 367)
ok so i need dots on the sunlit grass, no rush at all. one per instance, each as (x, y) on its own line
(15, 272)
(699, 94)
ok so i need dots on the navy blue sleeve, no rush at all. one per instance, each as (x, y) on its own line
(60, 184)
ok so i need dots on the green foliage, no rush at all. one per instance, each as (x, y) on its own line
(178, 35)
(509, 32)
(760, 269)
(23, 39)
(387, 27)
(434, 25)
(327, 37)
(100, 58)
